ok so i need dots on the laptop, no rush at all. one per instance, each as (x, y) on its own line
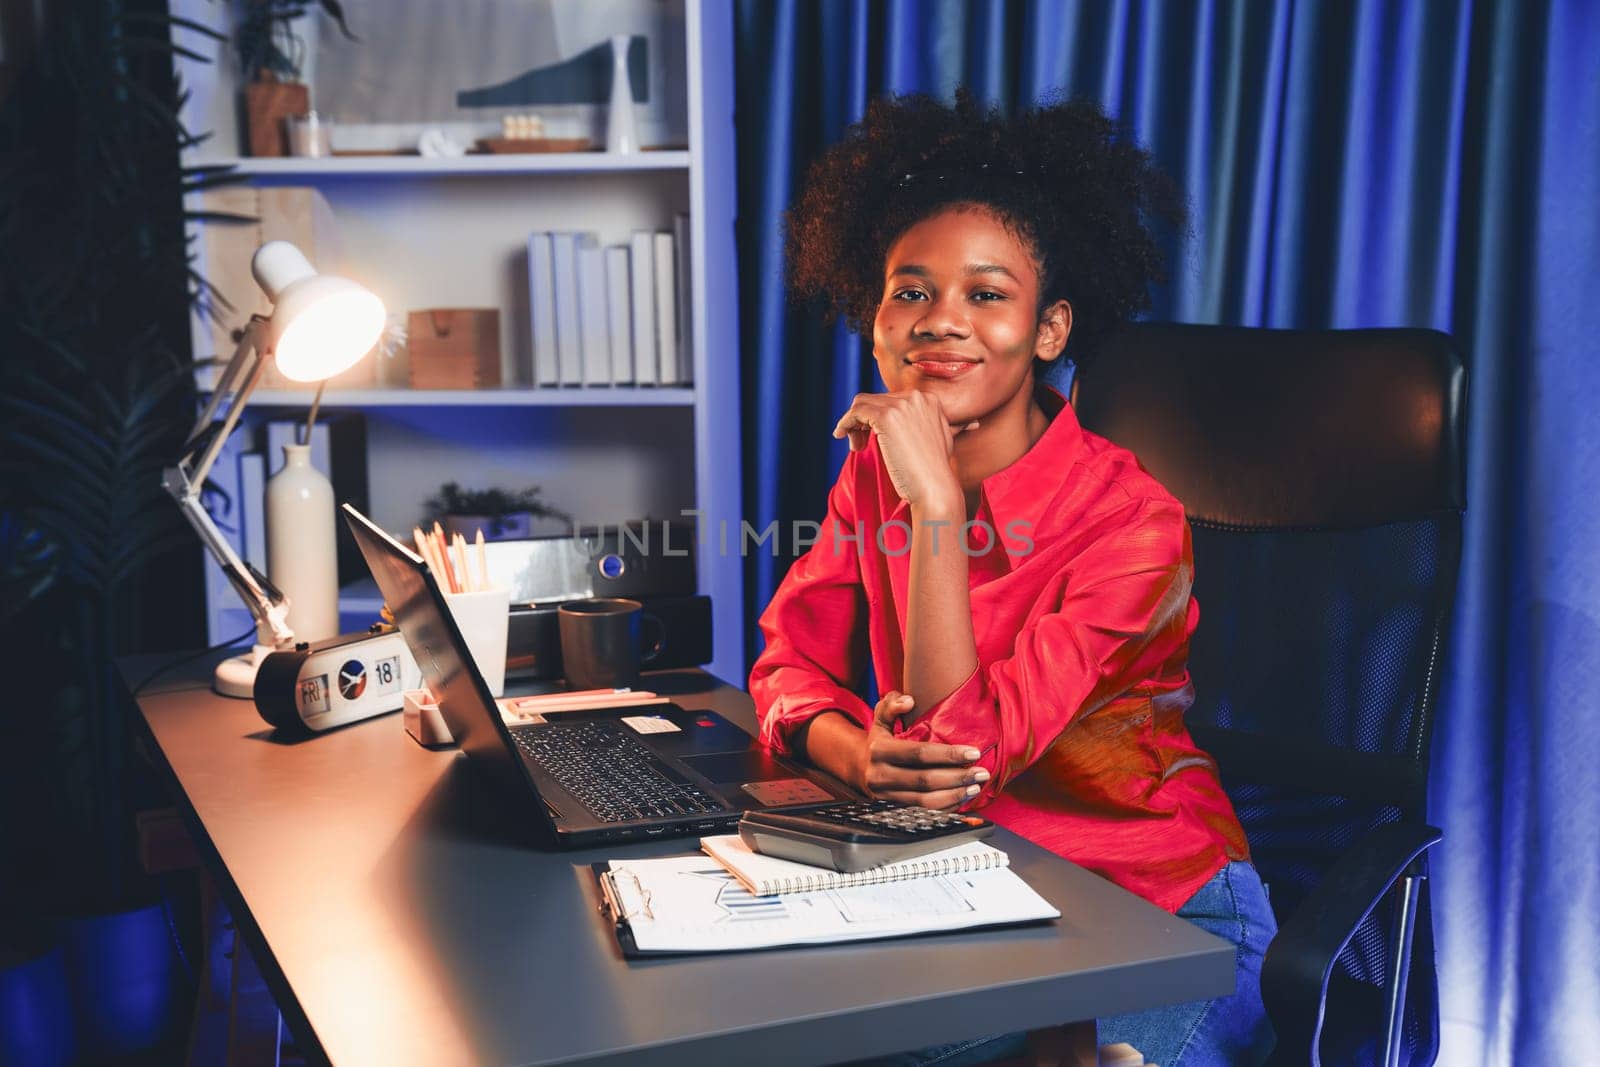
(613, 774)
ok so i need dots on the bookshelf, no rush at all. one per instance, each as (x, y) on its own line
(425, 232)
(597, 397)
(460, 167)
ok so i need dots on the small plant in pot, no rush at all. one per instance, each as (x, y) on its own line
(271, 57)
(502, 515)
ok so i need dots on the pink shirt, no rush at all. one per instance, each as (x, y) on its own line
(1082, 615)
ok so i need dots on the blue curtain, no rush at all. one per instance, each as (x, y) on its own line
(1348, 164)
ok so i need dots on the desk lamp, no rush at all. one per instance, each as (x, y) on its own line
(320, 325)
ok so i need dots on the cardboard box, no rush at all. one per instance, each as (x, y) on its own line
(454, 348)
(297, 214)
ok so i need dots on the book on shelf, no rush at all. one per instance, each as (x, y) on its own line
(685, 287)
(619, 305)
(542, 311)
(252, 509)
(666, 309)
(564, 285)
(642, 283)
(767, 876)
(594, 325)
(611, 316)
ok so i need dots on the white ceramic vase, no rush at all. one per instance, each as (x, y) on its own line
(302, 554)
(622, 134)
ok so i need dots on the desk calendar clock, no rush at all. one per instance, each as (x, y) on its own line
(316, 687)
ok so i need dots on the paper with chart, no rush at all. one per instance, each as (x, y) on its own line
(692, 904)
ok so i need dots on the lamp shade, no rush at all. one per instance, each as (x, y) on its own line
(321, 325)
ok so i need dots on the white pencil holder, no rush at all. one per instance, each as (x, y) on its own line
(484, 620)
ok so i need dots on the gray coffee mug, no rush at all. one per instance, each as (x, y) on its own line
(600, 643)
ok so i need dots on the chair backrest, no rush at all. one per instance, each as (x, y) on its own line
(1323, 476)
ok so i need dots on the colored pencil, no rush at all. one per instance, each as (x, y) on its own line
(483, 559)
(577, 694)
(443, 545)
(458, 547)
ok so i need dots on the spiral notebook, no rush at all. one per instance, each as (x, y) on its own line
(766, 876)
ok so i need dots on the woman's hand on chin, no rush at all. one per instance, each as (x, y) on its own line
(915, 439)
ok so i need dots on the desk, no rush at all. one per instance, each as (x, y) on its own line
(399, 919)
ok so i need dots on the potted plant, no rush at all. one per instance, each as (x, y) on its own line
(502, 515)
(96, 394)
(271, 55)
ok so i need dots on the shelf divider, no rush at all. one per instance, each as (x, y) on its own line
(613, 396)
(461, 166)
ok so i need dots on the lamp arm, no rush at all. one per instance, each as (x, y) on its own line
(269, 606)
(248, 346)
(222, 388)
(184, 480)
(250, 359)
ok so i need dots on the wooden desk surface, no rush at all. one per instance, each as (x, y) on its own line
(401, 918)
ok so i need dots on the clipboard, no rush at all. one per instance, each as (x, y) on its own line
(614, 910)
(691, 904)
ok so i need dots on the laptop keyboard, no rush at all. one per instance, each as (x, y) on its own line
(611, 772)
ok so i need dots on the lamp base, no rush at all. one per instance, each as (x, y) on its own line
(236, 677)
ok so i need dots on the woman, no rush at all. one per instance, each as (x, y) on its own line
(1022, 586)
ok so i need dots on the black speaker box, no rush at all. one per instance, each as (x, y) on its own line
(645, 559)
(640, 559)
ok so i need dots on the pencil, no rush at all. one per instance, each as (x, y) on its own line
(622, 700)
(483, 559)
(435, 565)
(443, 547)
(422, 547)
(458, 545)
(574, 694)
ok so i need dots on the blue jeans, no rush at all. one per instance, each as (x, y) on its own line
(1225, 1031)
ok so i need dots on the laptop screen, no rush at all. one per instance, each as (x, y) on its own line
(448, 670)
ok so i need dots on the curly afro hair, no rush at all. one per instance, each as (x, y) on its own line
(1062, 177)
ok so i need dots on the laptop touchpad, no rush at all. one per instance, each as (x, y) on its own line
(751, 765)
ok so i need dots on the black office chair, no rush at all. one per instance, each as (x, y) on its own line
(1322, 473)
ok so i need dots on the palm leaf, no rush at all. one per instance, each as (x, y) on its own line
(166, 48)
(96, 391)
(64, 454)
(210, 181)
(141, 18)
(30, 563)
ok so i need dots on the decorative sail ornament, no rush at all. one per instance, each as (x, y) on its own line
(586, 78)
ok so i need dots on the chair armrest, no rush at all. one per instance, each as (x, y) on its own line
(1295, 973)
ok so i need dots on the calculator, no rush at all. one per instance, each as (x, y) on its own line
(854, 835)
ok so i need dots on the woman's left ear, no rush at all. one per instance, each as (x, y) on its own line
(1055, 325)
